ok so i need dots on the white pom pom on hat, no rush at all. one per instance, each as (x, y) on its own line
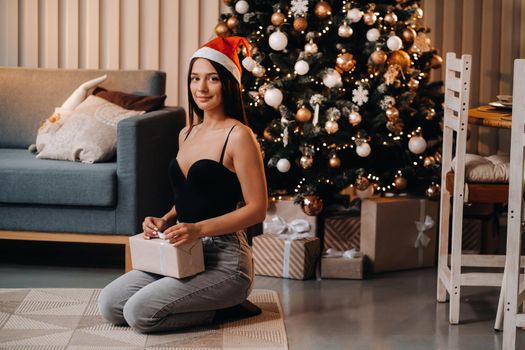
(224, 51)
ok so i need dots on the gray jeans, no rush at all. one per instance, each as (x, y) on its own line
(149, 302)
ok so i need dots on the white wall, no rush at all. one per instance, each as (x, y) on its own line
(108, 34)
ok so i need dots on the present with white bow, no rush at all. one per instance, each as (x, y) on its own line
(288, 248)
(346, 264)
(398, 233)
(342, 232)
(158, 256)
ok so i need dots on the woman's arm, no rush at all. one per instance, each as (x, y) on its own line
(248, 165)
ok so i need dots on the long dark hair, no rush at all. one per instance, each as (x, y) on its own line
(231, 96)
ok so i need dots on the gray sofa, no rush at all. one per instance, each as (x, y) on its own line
(54, 200)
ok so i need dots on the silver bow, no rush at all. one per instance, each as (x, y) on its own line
(422, 240)
(348, 254)
(296, 229)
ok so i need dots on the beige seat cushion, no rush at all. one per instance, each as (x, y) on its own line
(88, 134)
(491, 169)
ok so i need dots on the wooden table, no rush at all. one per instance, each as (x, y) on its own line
(490, 116)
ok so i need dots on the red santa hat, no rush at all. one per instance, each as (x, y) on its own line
(224, 52)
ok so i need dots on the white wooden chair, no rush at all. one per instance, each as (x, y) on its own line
(453, 184)
(513, 318)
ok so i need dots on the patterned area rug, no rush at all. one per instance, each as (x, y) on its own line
(69, 319)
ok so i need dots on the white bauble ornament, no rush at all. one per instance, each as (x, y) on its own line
(249, 63)
(283, 165)
(394, 43)
(354, 15)
(278, 41)
(311, 48)
(417, 144)
(345, 31)
(273, 97)
(242, 7)
(363, 150)
(301, 67)
(373, 34)
(331, 126)
(332, 78)
(354, 118)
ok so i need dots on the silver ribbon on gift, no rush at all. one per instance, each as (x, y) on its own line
(425, 223)
(347, 254)
(296, 229)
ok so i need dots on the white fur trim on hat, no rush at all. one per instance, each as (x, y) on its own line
(219, 57)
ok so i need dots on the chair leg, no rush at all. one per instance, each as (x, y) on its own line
(444, 226)
(455, 260)
(498, 324)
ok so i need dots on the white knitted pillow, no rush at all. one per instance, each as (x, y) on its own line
(89, 133)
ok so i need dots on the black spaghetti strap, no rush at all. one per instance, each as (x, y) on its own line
(225, 143)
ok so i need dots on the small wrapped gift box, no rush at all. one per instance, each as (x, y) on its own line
(159, 256)
(287, 211)
(277, 257)
(342, 232)
(398, 233)
(343, 265)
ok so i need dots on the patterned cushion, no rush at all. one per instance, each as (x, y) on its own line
(88, 134)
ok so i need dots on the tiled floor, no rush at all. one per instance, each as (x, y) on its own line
(394, 311)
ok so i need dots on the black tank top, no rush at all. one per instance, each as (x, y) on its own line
(210, 189)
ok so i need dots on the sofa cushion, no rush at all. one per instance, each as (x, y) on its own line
(89, 133)
(130, 101)
(25, 179)
(29, 95)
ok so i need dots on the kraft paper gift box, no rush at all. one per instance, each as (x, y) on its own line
(342, 232)
(342, 267)
(296, 259)
(159, 256)
(288, 211)
(398, 233)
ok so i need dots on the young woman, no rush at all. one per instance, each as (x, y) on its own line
(218, 165)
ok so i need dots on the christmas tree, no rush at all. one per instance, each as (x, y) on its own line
(339, 94)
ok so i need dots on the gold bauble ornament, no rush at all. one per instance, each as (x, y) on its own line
(306, 161)
(312, 205)
(413, 84)
(258, 71)
(436, 61)
(345, 61)
(429, 161)
(361, 183)
(354, 118)
(323, 10)
(390, 19)
(233, 23)
(379, 57)
(300, 24)
(303, 114)
(408, 35)
(334, 162)
(222, 30)
(392, 113)
(433, 192)
(278, 18)
(431, 113)
(331, 126)
(369, 18)
(400, 58)
(400, 182)
(268, 135)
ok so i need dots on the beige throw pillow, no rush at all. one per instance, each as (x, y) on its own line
(89, 133)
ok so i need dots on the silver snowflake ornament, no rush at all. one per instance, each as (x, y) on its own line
(360, 95)
(299, 7)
